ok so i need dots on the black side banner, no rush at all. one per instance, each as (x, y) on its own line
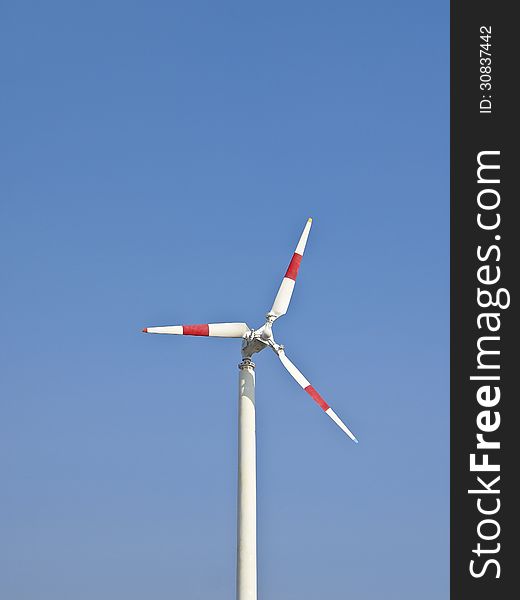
(485, 267)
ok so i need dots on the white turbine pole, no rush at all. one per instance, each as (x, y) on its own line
(246, 534)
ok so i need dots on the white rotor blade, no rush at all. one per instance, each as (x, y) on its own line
(227, 330)
(314, 394)
(281, 302)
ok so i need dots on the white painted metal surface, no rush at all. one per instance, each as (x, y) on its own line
(303, 381)
(171, 329)
(235, 330)
(340, 424)
(300, 248)
(246, 526)
(228, 330)
(300, 378)
(255, 340)
(284, 295)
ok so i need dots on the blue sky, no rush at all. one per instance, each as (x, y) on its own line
(159, 161)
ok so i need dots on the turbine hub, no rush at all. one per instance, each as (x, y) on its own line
(257, 340)
(266, 332)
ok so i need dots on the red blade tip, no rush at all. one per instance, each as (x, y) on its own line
(145, 330)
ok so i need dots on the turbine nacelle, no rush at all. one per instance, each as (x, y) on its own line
(258, 339)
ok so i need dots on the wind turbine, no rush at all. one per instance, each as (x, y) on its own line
(255, 340)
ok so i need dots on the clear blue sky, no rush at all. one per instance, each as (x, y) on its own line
(159, 160)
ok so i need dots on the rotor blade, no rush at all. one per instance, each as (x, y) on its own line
(281, 302)
(314, 394)
(227, 330)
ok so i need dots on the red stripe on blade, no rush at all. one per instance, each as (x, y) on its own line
(294, 265)
(316, 397)
(195, 329)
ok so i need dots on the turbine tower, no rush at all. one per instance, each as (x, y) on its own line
(255, 340)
